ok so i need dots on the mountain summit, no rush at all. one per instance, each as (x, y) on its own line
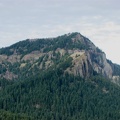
(62, 78)
(41, 54)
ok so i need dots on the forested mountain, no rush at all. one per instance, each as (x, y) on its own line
(62, 78)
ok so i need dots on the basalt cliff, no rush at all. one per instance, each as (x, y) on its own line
(34, 55)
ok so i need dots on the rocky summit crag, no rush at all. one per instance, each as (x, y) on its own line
(31, 54)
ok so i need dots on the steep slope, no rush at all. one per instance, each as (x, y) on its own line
(39, 54)
(53, 95)
(63, 78)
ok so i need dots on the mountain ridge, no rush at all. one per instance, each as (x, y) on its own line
(87, 58)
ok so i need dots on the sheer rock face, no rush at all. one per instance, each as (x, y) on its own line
(86, 62)
(81, 64)
(100, 64)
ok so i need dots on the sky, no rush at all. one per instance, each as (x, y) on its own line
(98, 20)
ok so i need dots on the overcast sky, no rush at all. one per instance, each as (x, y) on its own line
(99, 20)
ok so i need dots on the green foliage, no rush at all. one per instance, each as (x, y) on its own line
(2, 69)
(5, 115)
(51, 95)
(27, 46)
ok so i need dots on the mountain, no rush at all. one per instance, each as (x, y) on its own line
(41, 54)
(60, 78)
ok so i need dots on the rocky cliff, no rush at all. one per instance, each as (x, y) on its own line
(30, 56)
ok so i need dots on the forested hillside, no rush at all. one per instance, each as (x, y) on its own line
(63, 78)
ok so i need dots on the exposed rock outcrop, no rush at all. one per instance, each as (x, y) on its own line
(85, 63)
(40, 54)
